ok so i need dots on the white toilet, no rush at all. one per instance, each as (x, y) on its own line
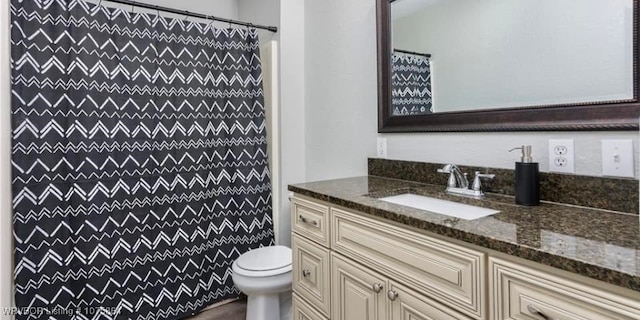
(263, 274)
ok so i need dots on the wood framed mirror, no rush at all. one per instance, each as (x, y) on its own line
(452, 110)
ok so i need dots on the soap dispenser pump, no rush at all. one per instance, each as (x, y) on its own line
(527, 182)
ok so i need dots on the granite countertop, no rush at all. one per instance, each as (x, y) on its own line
(595, 243)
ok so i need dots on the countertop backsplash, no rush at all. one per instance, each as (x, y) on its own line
(616, 194)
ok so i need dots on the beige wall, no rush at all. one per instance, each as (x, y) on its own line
(292, 109)
(340, 87)
(219, 8)
(491, 149)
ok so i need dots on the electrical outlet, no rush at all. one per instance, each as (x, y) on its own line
(560, 162)
(617, 158)
(561, 156)
(560, 150)
(382, 148)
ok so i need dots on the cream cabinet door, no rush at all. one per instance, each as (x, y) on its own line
(302, 311)
(407, 304)
(357, 293)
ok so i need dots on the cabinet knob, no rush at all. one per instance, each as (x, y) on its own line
(306, 273)
(533, 310)
(308, 221)
(392, 295)
(377, 287)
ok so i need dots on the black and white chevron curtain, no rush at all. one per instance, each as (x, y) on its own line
(411, 85)
(139, 161)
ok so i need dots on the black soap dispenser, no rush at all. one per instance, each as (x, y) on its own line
(527, 179)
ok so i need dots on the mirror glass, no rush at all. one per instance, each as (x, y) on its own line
(463, 55)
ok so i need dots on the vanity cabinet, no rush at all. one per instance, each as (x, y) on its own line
(352, 266)
(335, 253)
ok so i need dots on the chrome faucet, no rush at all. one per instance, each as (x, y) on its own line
(459, 184)
(457, 179)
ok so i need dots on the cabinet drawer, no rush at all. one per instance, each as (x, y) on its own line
(450, 274)
(519, 292)
(409, 304)
(311, 273)
(310, 219)
(302, 311)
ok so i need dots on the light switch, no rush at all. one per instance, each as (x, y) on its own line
(382, 148)
(617, 158)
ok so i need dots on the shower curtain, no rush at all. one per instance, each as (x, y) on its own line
(139, 161)
(411, 85)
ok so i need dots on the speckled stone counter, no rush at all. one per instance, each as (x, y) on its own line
(599, 244)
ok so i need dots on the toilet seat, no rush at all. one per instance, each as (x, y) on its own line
(264, 262)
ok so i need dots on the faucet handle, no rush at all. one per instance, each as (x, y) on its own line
(451, 183)
(448, 168)
(477, 184)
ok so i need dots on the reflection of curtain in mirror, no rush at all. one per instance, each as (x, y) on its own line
(411, 85)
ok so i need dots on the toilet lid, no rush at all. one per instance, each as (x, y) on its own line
(265, 259)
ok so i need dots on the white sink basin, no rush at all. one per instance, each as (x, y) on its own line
(449, 208)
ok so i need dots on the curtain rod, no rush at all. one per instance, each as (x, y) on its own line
(428, 55)
(192, 14)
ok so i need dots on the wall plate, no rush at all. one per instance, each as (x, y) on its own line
(382, 148)
(561, 156)
(617, 158)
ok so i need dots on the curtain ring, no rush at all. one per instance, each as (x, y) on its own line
(210, 21)
(186, 16)
(98, 6)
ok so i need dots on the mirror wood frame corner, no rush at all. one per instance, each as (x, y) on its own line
(605, 115)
